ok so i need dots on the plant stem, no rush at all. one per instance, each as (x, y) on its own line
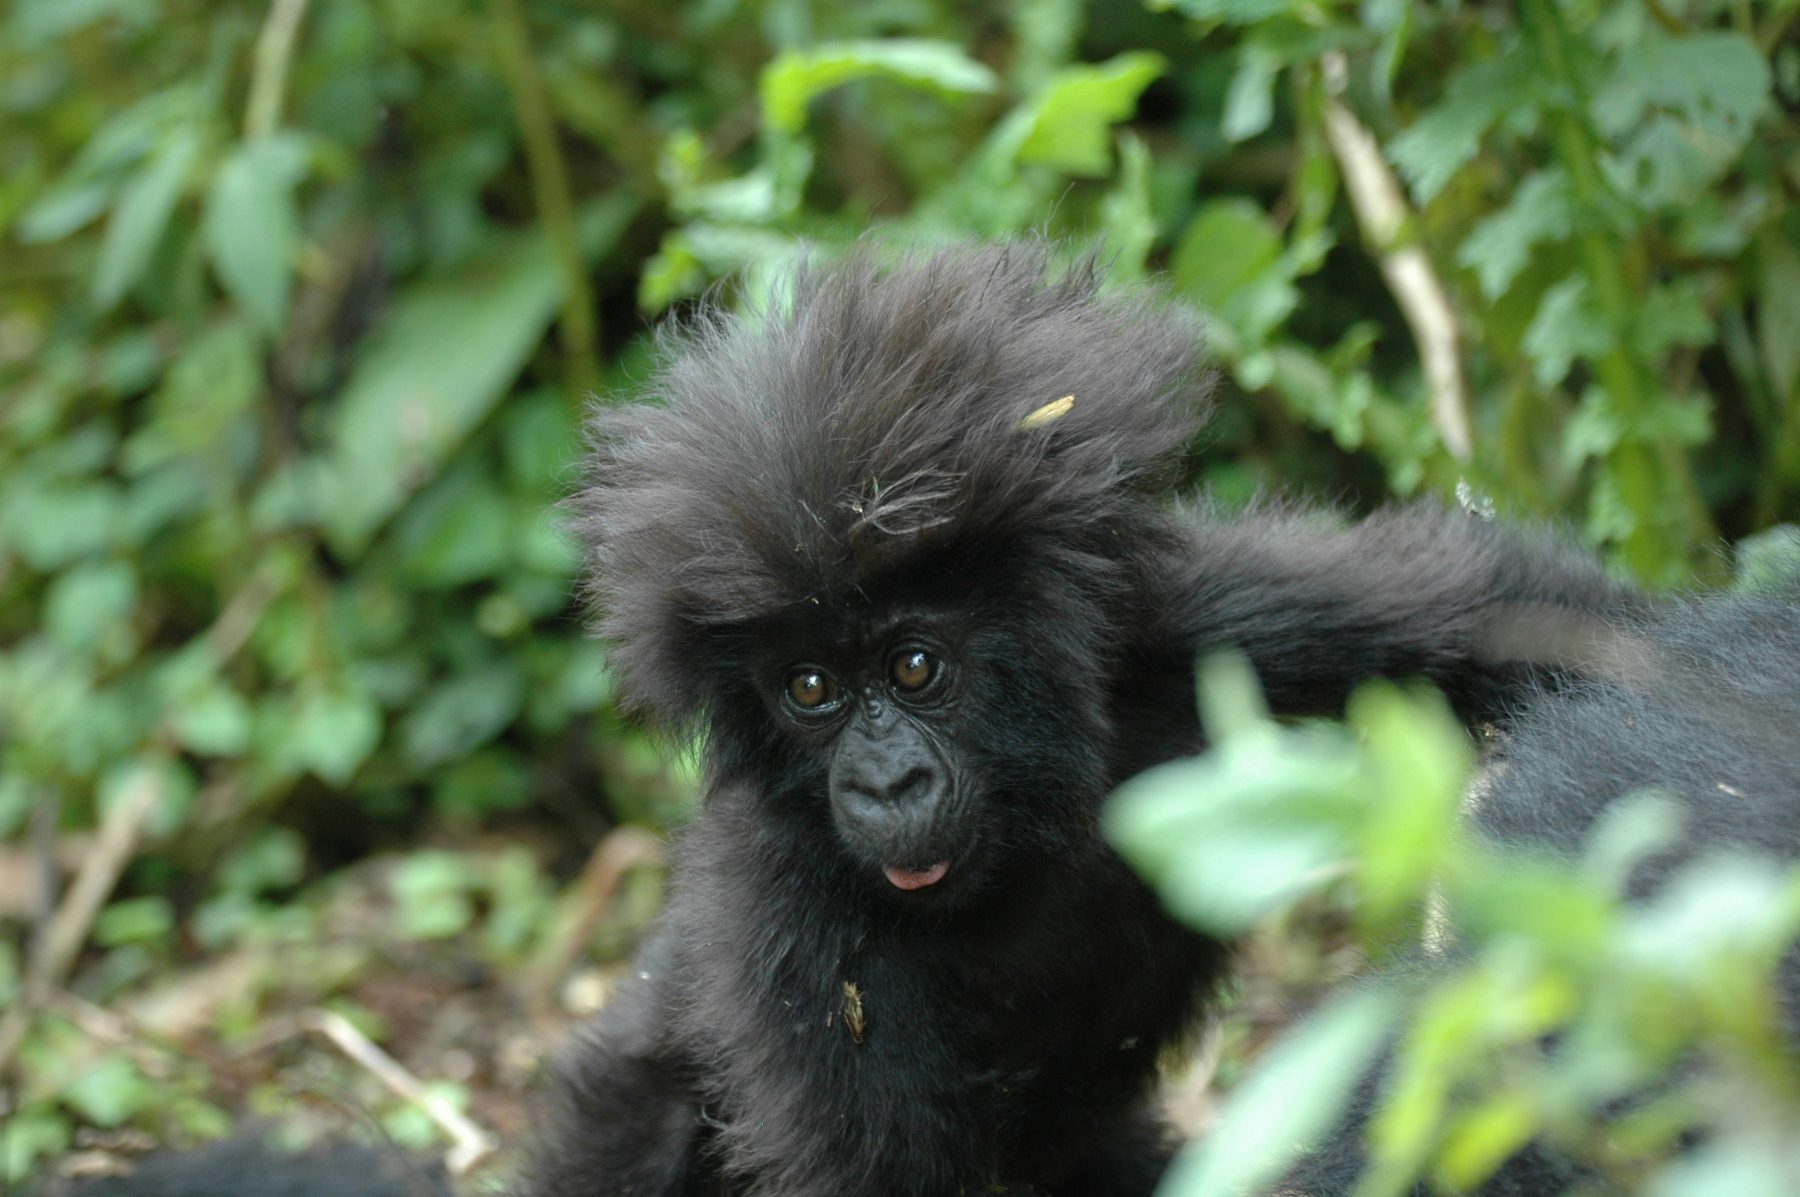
(578, 327)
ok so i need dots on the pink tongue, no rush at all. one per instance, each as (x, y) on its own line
(916, 878)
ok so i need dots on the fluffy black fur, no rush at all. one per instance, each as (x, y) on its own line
(853, 471)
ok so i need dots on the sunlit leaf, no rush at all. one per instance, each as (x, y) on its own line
(1297, 1093)
(790, 82)
(1073, 117)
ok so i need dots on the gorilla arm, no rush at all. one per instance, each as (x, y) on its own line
(1408, 592)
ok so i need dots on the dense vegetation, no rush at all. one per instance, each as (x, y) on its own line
(300, 304)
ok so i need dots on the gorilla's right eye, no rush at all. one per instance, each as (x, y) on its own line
(812, 690)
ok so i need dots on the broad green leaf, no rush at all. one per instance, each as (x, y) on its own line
(1567, 328)
(332, 732)
(214, 721)
(207, 396)
(1071, 126)
(29, 1135)
(134, 920)
(1262, 819)
(1541, 209)
(251, 226)
(431, 895)
(274, 859)
(1480, 1140)
(1230, 259)
(793, 79)
(110, 1092)
(1250, 102)
(1778, 316)
(1418, 759)
(446, 354)
(88, 187)
(53, 524)
(1719, 81)
(1446, 137)
(89, 609)
(145, 204)
(457, 531)
(1296, 1094)
(462, 714)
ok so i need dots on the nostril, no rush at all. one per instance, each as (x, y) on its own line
(914, 783)
(868, 793)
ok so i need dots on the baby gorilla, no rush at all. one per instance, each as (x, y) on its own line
(901, 550)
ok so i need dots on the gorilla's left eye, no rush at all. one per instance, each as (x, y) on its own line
(913, 669)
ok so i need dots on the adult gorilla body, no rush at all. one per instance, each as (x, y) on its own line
(928, 617)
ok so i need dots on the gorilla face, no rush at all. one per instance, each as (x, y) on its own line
(945, 746)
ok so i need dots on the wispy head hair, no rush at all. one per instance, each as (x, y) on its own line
(882, 415)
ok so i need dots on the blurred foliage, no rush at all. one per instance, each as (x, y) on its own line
(1665, 1012)
(299, 303)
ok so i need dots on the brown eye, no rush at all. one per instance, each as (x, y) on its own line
(913, 669)
(811, 689)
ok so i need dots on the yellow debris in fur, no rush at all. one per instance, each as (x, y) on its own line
(1050, 413)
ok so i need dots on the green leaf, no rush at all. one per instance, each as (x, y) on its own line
(110, 1092)
(135, 920)
(463, 714)
(1542, 209)
(1446, 137)
(1718, 81)
(89, 609)
(793, 79)
(1125, 214)
(145, 204)
(1778, 317)
(1262, 819)
(203, 404)
(1296, 1094)
(251, 227)
(1419, 760)
(446, 354)
(1230, 259)
(333, 732)
(431, 895)
(1566, 328)
(456, 532)
(275, 859)
(51, 525)
(31, 1134)
(214, 721)
(1072, 119)
(1250, 101)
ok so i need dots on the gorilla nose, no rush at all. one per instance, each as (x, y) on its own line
(905, 787)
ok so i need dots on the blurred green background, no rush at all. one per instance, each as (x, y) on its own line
(301, 303)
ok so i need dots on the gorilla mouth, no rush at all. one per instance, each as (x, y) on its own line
(909, 879)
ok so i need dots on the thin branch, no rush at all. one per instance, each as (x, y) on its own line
(1382, 214)
(471, 1144)
(52, 956)
(268, 78)
(622, 849)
